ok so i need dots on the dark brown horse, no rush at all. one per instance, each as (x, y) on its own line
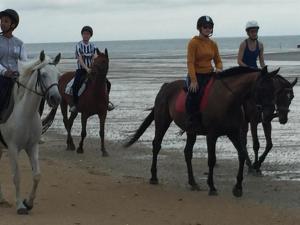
(94, 100)
(283, 98)
(223, 115)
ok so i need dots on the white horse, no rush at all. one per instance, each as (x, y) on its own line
(38, 79)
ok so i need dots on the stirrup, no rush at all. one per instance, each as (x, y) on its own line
(110, 106)
(73, 109)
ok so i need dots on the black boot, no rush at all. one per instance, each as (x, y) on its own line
(110, 106)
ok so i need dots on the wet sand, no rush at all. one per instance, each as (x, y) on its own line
(91, 190)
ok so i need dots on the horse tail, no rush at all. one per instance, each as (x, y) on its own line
(146, 123)
(2, 141)
(48, 120)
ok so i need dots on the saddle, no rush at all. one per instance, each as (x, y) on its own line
(181, 98)
(69, 89)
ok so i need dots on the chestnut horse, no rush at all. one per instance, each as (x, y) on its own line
(94, 100)
(223, 115)
(283, 97)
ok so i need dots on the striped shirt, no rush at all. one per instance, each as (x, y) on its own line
(86, 51)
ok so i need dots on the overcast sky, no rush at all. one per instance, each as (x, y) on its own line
(62, 20)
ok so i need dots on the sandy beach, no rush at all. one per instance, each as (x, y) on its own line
(91, 190)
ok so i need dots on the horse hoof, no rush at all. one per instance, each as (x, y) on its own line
(257, 173)
(5, 204)
(28, 207)
(237, 192)
(213, 193)
(22, 211)
(153, 181)
(195, 187)
(70, 148)
(79, 151)
(105, 154)
(250, 170)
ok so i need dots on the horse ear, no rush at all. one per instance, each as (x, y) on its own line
(264, 70)
(98, 52)
(42, 56)
(106, 52)
(294, 82)
(57, 58)
(275, 72)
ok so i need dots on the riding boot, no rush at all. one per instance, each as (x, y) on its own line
(73, 106)
(110, 104)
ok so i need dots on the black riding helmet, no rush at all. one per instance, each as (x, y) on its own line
(204, 20)
(88, 29)
(12, 14)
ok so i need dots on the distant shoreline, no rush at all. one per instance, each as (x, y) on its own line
(160, 39)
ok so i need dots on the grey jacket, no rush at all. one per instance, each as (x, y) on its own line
(11, 50)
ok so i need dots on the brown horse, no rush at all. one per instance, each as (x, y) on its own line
(94, 100)
(223, 115)
(283, 98)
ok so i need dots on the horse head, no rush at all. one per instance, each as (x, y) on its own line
(284, 95)
(47, 78)
(264, 94)
(100, 65)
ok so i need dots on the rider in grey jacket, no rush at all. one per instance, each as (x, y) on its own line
(11, 48)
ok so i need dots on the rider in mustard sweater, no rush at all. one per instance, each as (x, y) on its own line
(201, 51)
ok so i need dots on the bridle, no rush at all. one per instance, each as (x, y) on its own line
(39, 82)
(284, 109)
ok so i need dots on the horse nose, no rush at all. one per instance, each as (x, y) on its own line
(283, 120)
(54, 100)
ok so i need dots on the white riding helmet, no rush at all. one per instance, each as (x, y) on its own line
(251, 24)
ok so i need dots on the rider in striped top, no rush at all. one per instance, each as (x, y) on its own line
(85, 53)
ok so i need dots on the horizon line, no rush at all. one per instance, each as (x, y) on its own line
(157, 39)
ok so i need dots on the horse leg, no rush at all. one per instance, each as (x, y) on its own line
(244, 132)
(255, 140)
(33, 156)
(3, 202)
(235, 139)
(68, 124)
(188, 153)
(13, 156)
(70, 143)
(161, 127)
(101, 133)
(211, 140)
(83, 132)
(267, 130)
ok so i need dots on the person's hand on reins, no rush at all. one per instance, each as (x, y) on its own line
(11, 74)
(193, 87)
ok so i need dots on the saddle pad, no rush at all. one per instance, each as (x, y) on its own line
(181, 98)
(69, 90)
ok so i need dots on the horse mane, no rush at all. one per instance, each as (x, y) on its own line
(26, 67)
(282, 80)
(237, 70)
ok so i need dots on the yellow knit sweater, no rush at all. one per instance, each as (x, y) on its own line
(201, 51)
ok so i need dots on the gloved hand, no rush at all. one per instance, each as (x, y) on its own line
(8, 73)
(11, 74)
